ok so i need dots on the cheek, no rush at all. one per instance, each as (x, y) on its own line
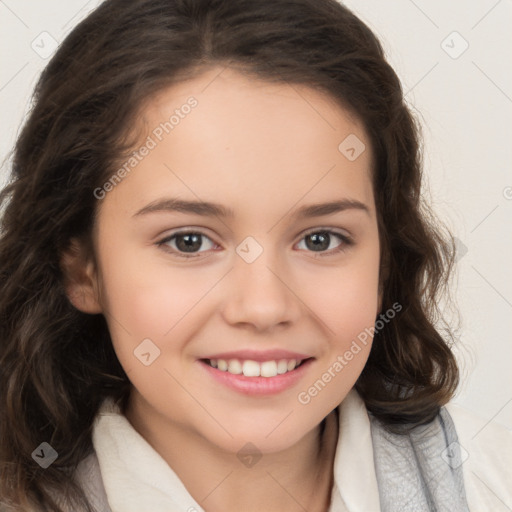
(348, 308)
(348, 302)
(157, 306)
(346, 298)
(143, 299)
(139, 287)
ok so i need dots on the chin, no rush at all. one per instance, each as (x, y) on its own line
(264, 436)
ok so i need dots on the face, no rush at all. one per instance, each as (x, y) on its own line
(258, 280)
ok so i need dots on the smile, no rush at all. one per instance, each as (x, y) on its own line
(263, 377)
(250, 368)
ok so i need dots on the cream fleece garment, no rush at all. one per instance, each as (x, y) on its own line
(127, 475)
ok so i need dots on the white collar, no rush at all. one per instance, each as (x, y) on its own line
(135, 477)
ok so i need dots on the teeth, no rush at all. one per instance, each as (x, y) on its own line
(251, 368)
(269, 369)
(282, 366)
(235, 367)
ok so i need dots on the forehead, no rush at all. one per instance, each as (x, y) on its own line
(245, 140)
(235, 106)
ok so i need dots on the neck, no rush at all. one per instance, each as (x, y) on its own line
(295, 479)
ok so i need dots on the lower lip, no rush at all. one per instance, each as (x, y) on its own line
(258, 385)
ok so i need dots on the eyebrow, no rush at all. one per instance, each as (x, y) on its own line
(206, 208)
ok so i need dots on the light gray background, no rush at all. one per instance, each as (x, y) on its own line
(464, 101)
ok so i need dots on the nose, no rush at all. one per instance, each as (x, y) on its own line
(261, 294)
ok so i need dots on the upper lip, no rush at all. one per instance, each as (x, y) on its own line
(259, 355)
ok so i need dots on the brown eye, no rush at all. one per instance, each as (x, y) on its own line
(186, 242)
(321, 241)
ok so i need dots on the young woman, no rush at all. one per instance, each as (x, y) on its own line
(219, 282)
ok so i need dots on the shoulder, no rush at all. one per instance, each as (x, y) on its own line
(486, 452)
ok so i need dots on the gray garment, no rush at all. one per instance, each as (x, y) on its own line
(416, 472)
(89, 476)
(420, 471)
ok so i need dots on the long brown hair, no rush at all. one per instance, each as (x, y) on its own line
(56, 363)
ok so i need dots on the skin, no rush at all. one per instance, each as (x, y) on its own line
(263, 150)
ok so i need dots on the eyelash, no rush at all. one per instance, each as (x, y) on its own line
(346, 242)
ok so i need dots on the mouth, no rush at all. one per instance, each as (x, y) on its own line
(257, 377)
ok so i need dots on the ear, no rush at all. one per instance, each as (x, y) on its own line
(80, 278)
